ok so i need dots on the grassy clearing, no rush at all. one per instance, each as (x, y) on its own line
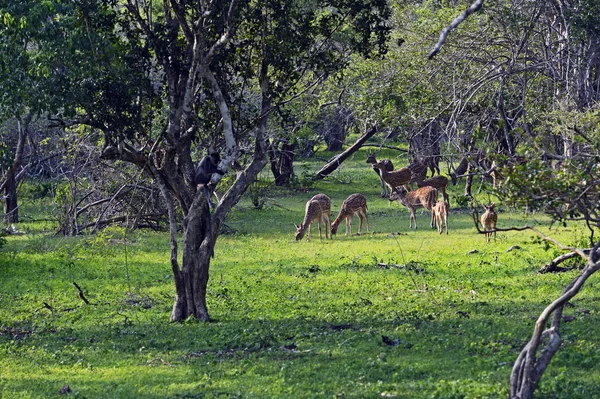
(293, 319)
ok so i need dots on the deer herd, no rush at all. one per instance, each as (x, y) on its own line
(396, 185)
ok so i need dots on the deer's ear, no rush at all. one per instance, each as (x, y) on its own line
(297, 227)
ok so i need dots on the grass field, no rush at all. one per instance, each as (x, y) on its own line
(445, 318)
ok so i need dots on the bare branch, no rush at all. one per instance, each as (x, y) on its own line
(474, 7)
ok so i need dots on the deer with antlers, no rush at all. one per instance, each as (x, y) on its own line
(355, 204)
(488, 221)
(423, 197)
(389, 166)
(317, 208)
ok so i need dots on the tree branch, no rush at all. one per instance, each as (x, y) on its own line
(474, 7)
(338, 159)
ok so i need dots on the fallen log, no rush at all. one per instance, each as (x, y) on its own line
(336, 161)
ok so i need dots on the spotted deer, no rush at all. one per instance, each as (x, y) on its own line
(440, 212)
(389, 166)
(440, 182)
(425, 197)
(317, 208)
(395, 178)
(355, 204)
(488, 221)
(418, 171)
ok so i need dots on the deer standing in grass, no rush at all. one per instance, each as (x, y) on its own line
(439, 182)
(395, 178)
(440, 212)
(418, 171)
(355, 204)
(489, 220)
(317, 208)
(389, 166)
(424, 197)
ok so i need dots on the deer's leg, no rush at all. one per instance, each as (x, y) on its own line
(384, 187)
(319, 227)
(446, 221)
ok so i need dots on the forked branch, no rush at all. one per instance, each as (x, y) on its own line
(529, 368)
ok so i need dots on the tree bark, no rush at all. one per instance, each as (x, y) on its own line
(282, 162)
(529, 367)
(9, 184)
(11, 208)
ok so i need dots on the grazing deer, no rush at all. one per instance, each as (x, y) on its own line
(355, 204)
(440, 212)
(440, 182)
(317, 208)
(395, 178)
(425, 197)
(389, 166)
(488, 221)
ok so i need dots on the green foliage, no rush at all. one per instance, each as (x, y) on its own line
(293, 319)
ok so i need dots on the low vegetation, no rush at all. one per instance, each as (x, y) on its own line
(396, 312)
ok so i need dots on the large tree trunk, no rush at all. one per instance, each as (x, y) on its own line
(282, 162)
(198, 245)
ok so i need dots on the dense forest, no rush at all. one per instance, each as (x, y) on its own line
(108, 107)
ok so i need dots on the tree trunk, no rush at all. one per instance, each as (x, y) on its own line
(9, 185)
(192, 279)
(11, 209)
(282, 162)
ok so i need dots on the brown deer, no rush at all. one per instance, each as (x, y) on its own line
(425, 197)
(440, 212)
(395, 178)
(389, 166)
(418, 171)
(440, 182)
(488, 221)
(317, 208)
(355, 204)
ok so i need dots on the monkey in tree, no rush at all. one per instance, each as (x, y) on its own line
(208, 166)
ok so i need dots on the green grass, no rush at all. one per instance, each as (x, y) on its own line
(293, 319)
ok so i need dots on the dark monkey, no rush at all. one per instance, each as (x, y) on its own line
(207, 167)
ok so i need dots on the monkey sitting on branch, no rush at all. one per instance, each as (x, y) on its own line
(207, 167)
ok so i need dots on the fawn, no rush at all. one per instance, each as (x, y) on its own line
(440, 182)
(317, 208)
(440, 211)
(389, 166)
(395, 178)
(488, 221)
(425, 197)
(355, 204)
